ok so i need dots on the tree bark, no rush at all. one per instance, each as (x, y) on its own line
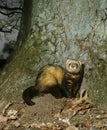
(53, 31)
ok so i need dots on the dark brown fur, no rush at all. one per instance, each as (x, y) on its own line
(57, 81)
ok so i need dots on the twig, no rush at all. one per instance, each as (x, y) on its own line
(6, 107)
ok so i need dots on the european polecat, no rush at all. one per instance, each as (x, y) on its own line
(56, 80)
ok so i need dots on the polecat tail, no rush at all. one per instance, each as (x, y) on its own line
(28, 94)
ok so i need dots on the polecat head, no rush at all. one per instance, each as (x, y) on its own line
(73, 66)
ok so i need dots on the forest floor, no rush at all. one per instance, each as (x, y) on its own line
(50, 113)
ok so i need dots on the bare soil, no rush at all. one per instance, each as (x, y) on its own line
(50, 113)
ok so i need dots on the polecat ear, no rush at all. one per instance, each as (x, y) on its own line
(68, 60)
(67, 63)
(80, 63)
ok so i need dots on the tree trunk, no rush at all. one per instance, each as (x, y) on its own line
(53, 31)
